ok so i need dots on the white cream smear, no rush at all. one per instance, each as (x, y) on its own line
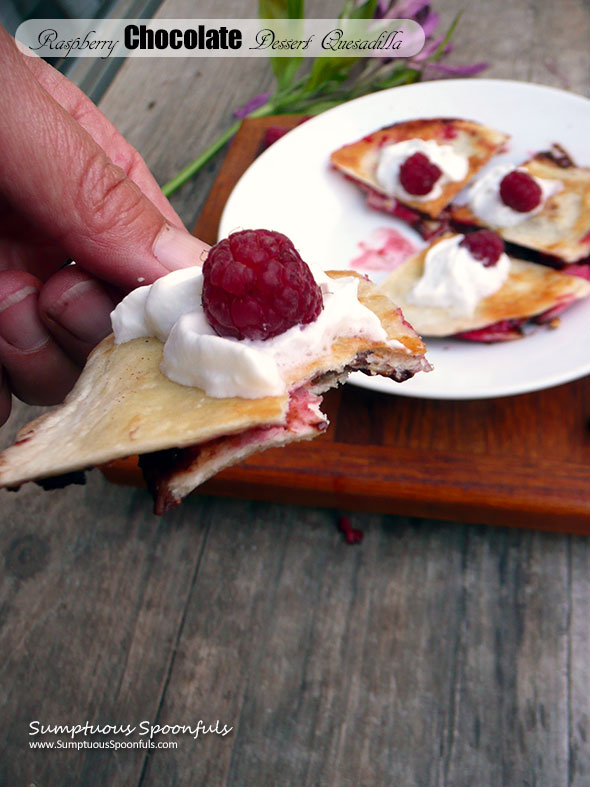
(454, 280)
(453, 165)
(485, 201)
(194, 355)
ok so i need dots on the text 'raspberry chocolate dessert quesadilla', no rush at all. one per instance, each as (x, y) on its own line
(467, 286)
(414, 168)
(207, 366)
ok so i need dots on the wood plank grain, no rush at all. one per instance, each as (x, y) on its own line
(514, 640)
(324, 657)
(93, 589)
(577, 626)
(435, 654)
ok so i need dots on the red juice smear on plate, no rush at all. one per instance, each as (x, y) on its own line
(384, 250)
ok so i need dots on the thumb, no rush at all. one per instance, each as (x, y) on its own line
(53, 171)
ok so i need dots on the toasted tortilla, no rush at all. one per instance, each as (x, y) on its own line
(530, 289)
(474, 140)
(122, 404)
(562, 227)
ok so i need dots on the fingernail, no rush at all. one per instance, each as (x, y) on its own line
(84, 311)
(174, 248)
(20, 325)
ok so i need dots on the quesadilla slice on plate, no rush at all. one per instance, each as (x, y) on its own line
(467, 287)
(413, 169)
(543, 204)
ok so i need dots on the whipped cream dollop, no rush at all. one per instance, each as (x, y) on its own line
(485, 201)
(455, 280)
(453, 165)
(194, 355)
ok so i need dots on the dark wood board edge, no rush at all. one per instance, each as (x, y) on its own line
(463, 488)
(537, 494)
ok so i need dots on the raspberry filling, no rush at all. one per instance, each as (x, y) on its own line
(161, 468)
(256, 286)
(504, 330)
(520, 191)
(418, 174)
(485, 246)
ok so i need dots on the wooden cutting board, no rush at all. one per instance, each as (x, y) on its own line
(521, 460)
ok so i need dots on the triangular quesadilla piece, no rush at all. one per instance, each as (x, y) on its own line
(359, 160)
(562, 227)
(123, 405)
(530, 291)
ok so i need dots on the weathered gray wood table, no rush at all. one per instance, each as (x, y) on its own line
(433, 654)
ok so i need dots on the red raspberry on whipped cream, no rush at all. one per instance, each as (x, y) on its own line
(485, 246)
(520, 191)
(418, 174)
(256, 286)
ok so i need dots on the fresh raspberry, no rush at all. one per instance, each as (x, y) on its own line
(352, 535)
(485, 246)
(272, 134)
(520, 191)
(255, 286)
(418, 174)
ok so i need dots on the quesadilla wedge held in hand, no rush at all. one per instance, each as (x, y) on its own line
(124, 404)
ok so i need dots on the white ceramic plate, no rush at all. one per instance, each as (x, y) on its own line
(291, 188)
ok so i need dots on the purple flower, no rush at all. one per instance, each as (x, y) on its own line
(430, 48)
(408, 9)
(419, 11)
(457, 71)
(430, 23)
(254, 103)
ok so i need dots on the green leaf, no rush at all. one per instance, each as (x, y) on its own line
(321, 106)
(401, 76)
(281, 9)
(284, 68)
(440, 50)
(329, 69)
(296, 9)
(364, 11)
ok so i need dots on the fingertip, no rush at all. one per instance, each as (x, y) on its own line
(37, 370)
(12, 281)
(176, 248)
(75, 307)
(20, 326)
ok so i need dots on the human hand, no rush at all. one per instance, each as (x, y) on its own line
(70, 187)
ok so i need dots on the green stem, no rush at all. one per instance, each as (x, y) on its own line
(192, 168)
(187, 173)
(448, 35)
